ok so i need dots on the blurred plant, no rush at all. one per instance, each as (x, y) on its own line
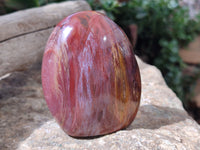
(163, 28)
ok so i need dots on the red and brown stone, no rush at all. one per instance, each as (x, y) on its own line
(90, 76)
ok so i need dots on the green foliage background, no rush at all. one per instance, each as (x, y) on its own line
(163, 28)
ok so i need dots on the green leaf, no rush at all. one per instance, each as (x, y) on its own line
(141, 15)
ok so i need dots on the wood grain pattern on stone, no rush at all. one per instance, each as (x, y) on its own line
(161, 123)
(90, 77)
(23, 34)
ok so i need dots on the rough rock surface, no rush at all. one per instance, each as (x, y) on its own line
(22, 107)
(161, 123)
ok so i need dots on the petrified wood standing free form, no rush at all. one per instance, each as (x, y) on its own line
(90, 77)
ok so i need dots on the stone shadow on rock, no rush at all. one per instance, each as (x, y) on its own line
(154, 117)
(22, 107)
(13, 85)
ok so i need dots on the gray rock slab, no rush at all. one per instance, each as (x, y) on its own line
(161, 124)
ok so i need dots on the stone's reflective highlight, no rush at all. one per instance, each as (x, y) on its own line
(90, 77)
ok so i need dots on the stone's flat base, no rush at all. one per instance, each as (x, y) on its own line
(161, 123)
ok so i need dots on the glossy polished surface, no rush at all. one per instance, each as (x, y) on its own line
(90, 77)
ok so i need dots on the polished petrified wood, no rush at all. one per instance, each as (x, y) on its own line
(90, 76)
